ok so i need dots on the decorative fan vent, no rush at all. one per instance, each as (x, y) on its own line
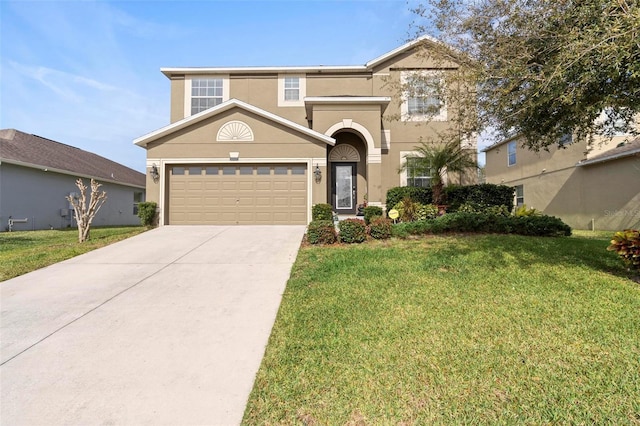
(234, 131)
(344, 153)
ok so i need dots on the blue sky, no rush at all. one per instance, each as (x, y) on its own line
(87, 73)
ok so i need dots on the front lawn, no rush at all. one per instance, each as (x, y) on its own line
(26, 251)
(454, 330)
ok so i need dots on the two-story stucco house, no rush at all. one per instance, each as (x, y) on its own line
(588, 187)
(262, 145)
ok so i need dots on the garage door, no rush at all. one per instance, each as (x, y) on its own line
(242, 194)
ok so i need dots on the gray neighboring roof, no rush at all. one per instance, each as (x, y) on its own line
(28, 150)
(626, 150)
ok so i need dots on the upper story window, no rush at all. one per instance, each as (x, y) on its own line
(291, 90)
(206, 93)
(511, 153)
(422, 97)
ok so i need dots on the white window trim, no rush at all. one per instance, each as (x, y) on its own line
(303, 90)
(404, 106)
(187, 90)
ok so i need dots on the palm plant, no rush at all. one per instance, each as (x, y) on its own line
(436, 160)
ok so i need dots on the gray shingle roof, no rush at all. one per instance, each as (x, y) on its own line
(626, 150)
(31, 150)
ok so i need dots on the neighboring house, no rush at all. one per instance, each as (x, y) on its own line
(595, 187)
(36, 174)
(261, 145)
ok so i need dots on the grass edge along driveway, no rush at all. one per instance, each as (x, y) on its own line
(480, 329)
(25, 251)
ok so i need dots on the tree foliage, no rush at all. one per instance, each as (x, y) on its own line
(86, 212)
(542, 68)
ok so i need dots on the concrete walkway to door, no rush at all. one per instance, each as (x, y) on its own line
(167, 327)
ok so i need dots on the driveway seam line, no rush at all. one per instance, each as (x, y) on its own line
(109, 299)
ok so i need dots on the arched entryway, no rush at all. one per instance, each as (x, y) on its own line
(347, 162)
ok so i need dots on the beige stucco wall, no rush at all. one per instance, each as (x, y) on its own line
(607, 193)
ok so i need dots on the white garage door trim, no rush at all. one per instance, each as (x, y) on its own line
(162, 164)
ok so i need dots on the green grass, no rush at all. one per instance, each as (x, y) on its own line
(26, 251)
(454, 330)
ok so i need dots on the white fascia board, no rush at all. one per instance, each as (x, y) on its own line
(398, 50)
(347, 99)
(150, 137)
(610, 158)
(500, 143)
(260, 70)
(47, 169)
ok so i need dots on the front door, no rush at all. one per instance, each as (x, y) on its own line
(343, 192)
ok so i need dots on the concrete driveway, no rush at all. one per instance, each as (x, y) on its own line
(167, 327)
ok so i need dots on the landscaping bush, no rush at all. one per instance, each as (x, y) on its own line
(544, 226)
(471, 207)
(380, 228)
(428, 211)
(371, 212)
(524, 211)
(321, 212)
(399, 193)
(627, 244)
(352, 231)
(147, 213)
(321, 232)
(485, 194)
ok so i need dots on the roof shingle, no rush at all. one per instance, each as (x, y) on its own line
(24, 148)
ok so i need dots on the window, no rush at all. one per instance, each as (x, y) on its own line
(511, 153)
(137, 199)
(418, 174)
(195, 171)
(205, 93)
(566, 139)
(519, 195)
(422, 98)
(177, 171)
(292, 88)
(212, 170)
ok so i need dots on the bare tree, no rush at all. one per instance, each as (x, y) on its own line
(85, 213)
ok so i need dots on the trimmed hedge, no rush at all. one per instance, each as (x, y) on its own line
(321, 212)
(147, 213)
(543, 226)
(371, 212)
(321, 232)
(352, 231)
(380, 228)
(486, 195)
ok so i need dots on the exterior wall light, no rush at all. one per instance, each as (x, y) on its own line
(155, 175)
(318, 174)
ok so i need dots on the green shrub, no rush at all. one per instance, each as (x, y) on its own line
(321, 232)
(471, 207)
(371, 212)
(352, 231)
(147, 213)
(399, 193)
(408, 210)
(627, 244)
(380, 228)
(485, 194)
(321, 212)
(428, 211)
(544, 226)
